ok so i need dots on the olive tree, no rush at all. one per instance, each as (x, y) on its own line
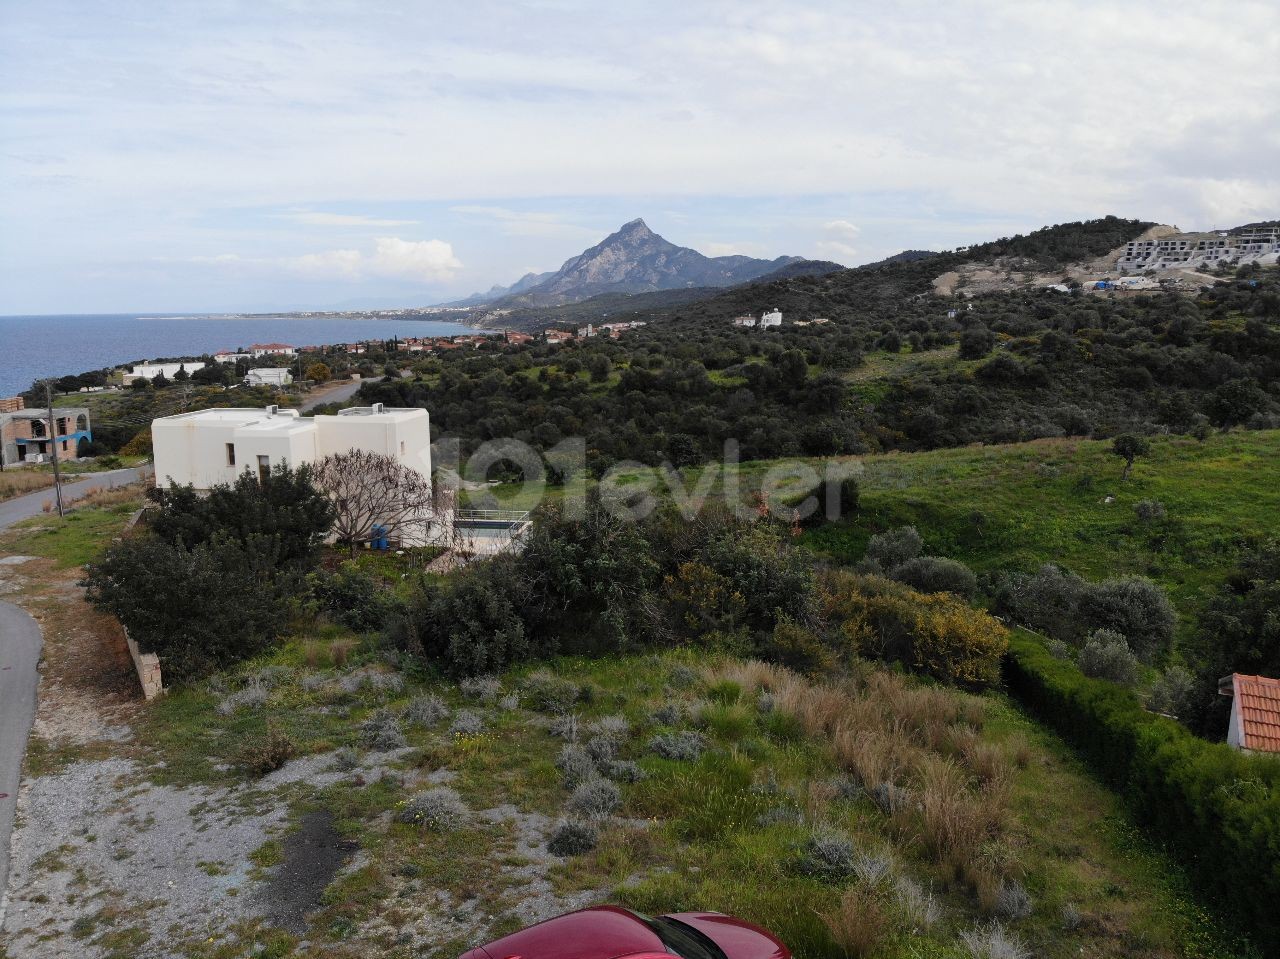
(1129, 447)
(372, 489)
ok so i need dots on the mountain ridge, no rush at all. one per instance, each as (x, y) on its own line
(632, 259)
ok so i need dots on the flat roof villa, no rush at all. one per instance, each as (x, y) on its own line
(208, 447)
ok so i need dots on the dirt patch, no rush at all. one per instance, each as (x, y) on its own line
(98, 836)
(313, 854)
(88, 686)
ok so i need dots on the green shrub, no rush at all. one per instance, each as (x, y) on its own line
(936, 574)
(893, 548)
(435, 810)
(199, 609)
(352, 598)
(549, 694)
(800, 649)
(572, 839)
(832, 499)
(935, 633)
(1106, 656)
(1134, 607)
(1213, 805)
(266, 755)
(684, 745)
(1172, 694)
(1062, 605)
(381, 732)
(283, 509)
(470, 626)
(595, 799)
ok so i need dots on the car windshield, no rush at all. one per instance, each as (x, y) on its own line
(684, 941)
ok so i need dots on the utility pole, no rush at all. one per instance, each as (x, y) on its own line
(53, 447)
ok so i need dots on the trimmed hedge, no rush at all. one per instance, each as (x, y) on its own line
(1216, 807)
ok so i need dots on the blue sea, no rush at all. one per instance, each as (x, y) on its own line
(33, 347)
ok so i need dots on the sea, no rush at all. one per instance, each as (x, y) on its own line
(34, 347)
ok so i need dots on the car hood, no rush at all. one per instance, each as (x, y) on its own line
(735, 937)
(601, 932)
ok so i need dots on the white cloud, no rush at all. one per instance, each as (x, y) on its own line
(841, 229)
(315, 218)
(836, 242)
(525, 223)
(741, 248)
(426, 260)
(422, 261)
(344, 264)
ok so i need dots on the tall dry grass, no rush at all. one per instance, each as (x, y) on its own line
(109, 496)
(923, 743)
(21, 482)
(859, 925)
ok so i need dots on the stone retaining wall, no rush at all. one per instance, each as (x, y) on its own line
(148, 667)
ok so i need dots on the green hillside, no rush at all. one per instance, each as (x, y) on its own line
(1016, 507)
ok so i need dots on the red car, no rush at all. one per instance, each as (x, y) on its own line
(611, 932)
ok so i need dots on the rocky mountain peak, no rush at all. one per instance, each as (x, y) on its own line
(633, 259)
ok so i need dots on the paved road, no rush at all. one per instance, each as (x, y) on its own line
(24, 507)
(335, 394)
(19, 654)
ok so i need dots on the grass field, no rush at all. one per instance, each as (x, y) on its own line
(1017, 506)
(1061, 501)
(75, 539)
(732, 828)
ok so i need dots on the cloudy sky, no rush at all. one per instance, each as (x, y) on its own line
(262, 155)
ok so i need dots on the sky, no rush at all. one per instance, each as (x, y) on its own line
(254, 156)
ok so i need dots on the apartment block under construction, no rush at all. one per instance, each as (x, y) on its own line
(1189, 251)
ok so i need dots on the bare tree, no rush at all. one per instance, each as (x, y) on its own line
(375, 490)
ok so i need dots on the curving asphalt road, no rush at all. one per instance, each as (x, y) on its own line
(19, 657)
(334, 394)
(24, 507)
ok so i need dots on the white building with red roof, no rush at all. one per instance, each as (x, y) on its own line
(272, 349)
(1255, 712)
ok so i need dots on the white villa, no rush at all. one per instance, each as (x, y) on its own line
(772, 318)
(209, 447)
(272, 349)
(269, 376)
(150, 371)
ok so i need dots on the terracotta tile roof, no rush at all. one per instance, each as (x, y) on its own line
(1259, 701)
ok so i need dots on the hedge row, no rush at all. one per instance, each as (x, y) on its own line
(1217, 808)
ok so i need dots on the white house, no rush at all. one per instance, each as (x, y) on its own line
(226, 356)
(150, 371)
(268, 376)
(772, 318)
(1255, 712)
(208, 447)
(272, 349)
